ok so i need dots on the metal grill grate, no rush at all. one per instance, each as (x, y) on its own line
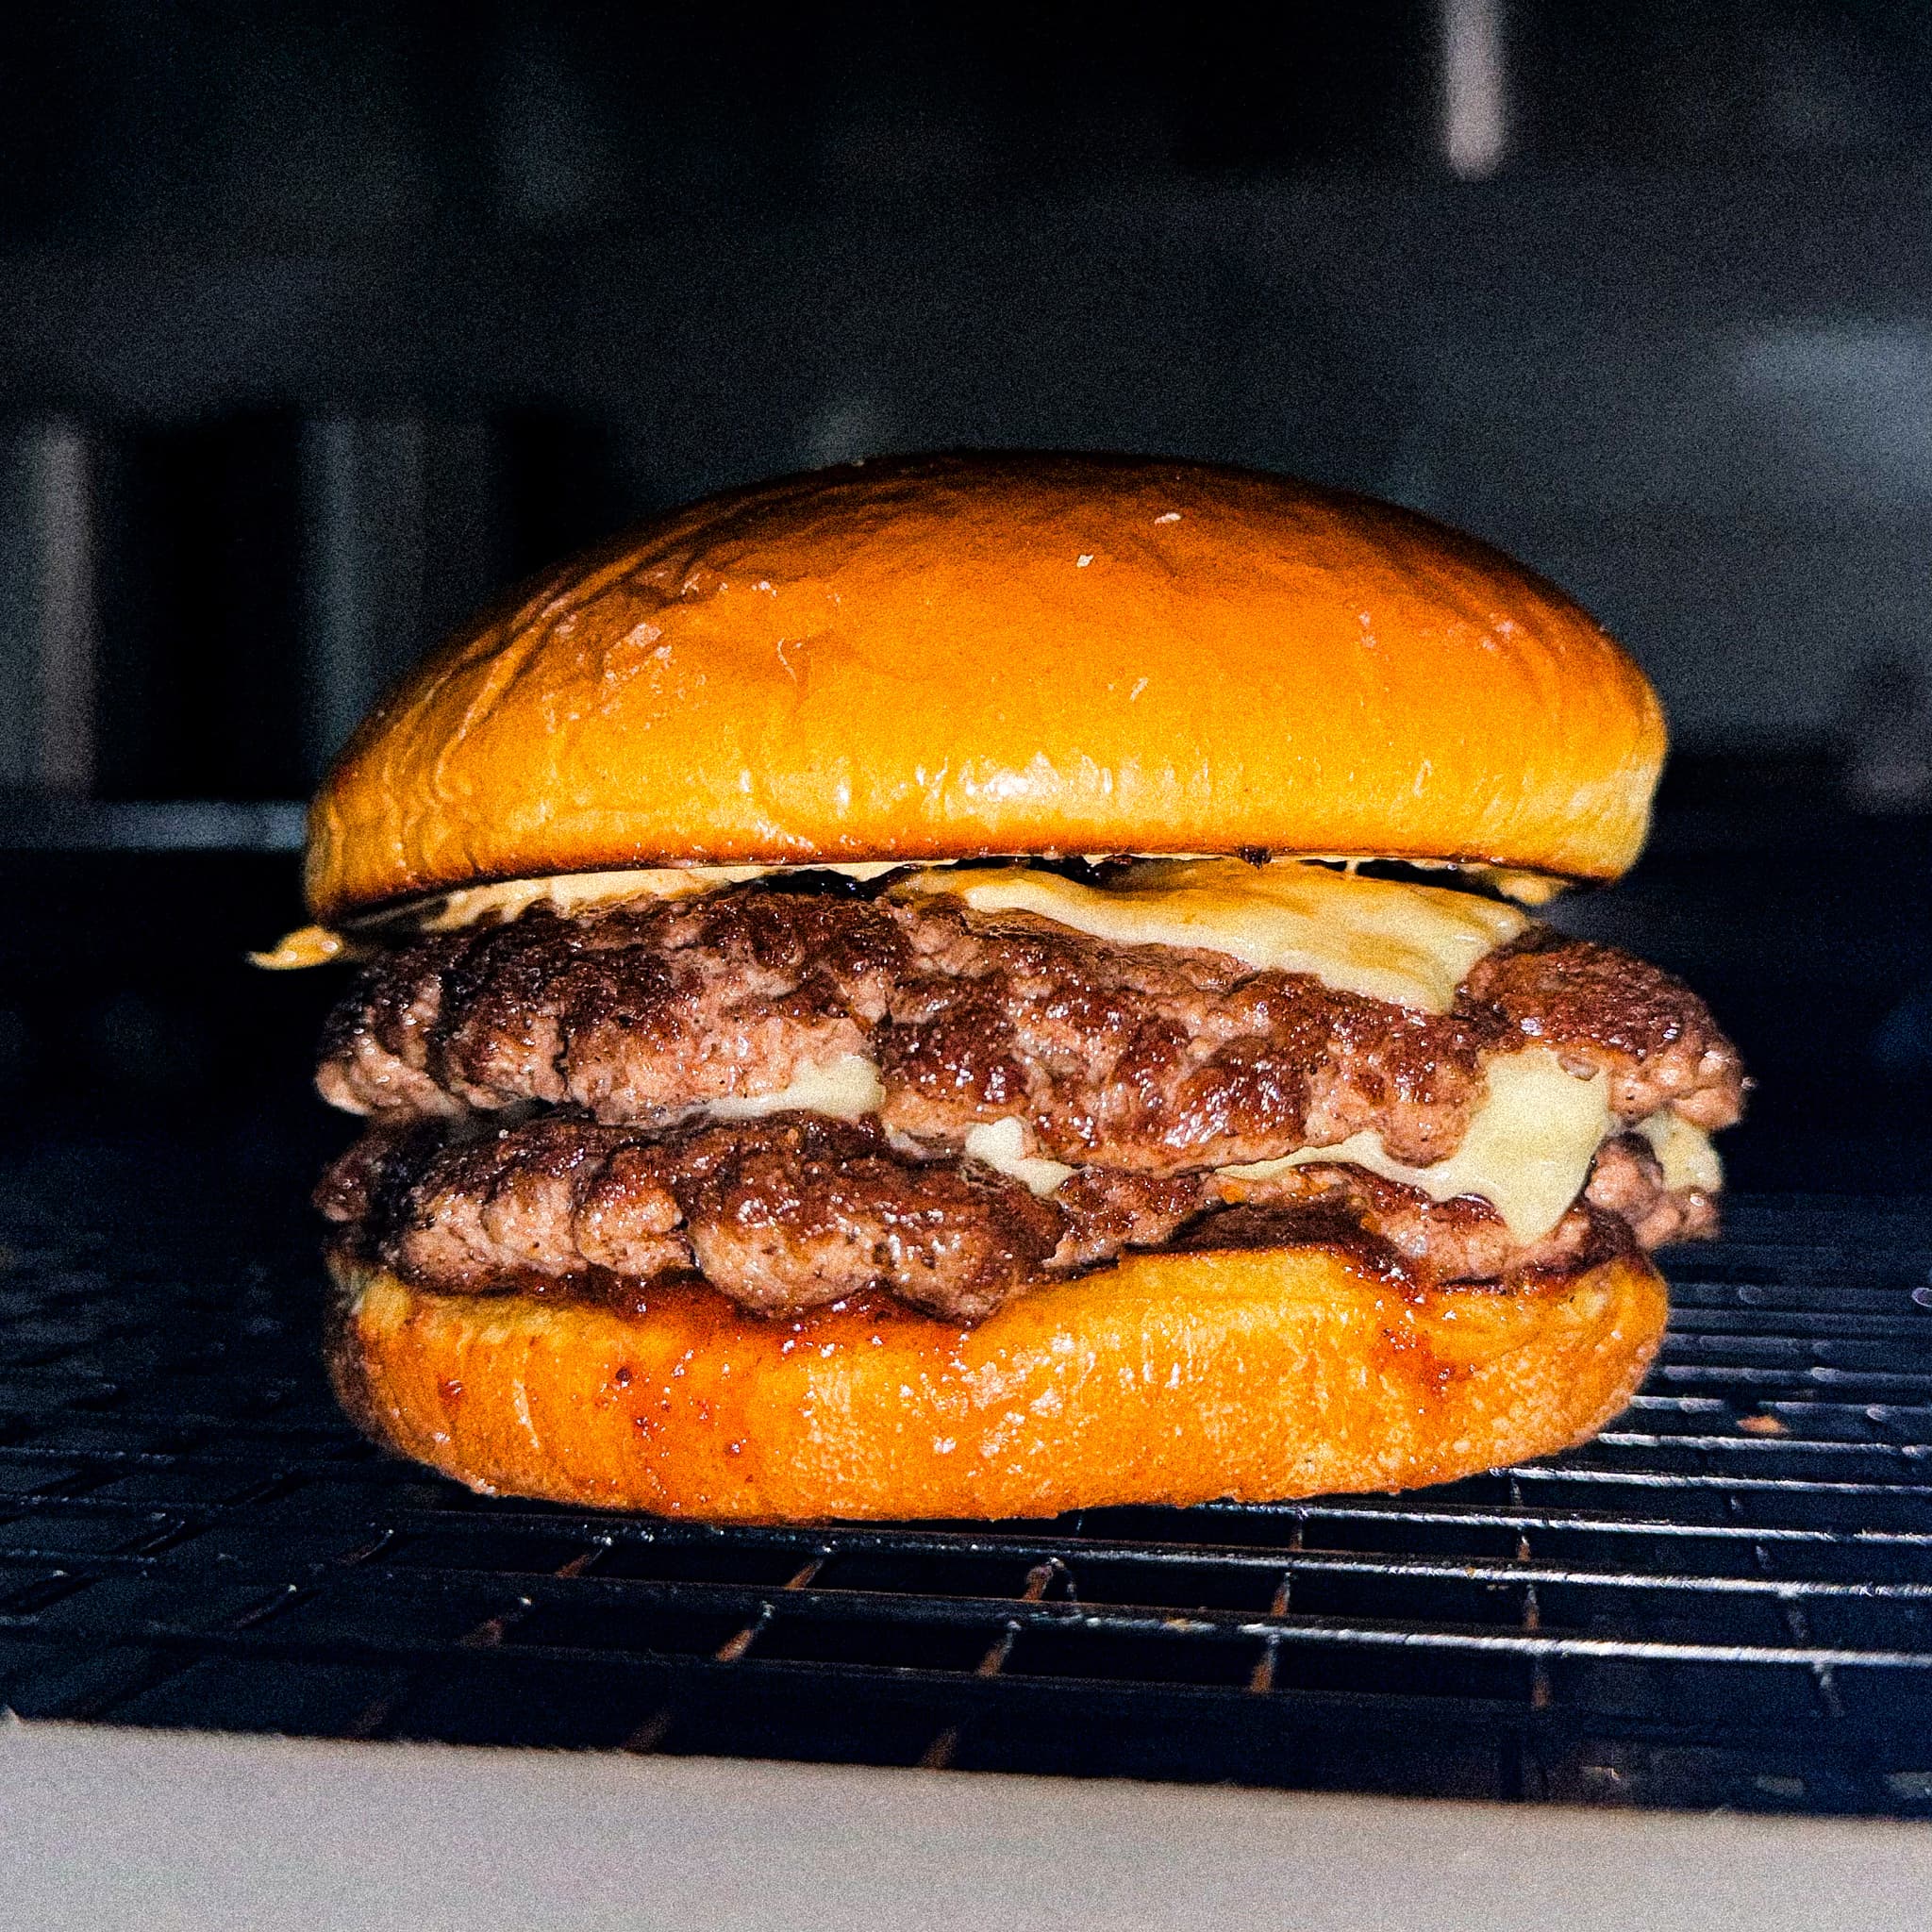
(1726, 1600)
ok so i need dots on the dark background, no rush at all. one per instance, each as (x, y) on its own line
(317, 323)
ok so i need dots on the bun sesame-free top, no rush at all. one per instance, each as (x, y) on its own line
(950, 657)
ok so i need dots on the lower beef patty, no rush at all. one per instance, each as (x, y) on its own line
(794, 1211)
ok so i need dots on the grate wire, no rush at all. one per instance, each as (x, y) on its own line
(1724, 1600)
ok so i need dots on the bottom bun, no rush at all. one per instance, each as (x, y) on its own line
(1256, 1375)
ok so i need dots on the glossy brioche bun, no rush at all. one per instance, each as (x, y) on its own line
(938, 658)
(1170, 1378)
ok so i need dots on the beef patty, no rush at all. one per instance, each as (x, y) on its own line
(790, 1212)
(1147, 1059)
(540, 1093)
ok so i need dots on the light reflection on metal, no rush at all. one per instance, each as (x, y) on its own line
(63, 516)
(1475, 88)
(362, 486)
(401, 539)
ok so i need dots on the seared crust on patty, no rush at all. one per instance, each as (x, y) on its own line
(783, 1215)
(797, 1211)
(1610, 1009)
(1143, 1059)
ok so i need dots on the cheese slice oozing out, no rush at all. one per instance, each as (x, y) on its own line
(1389, 940)
(1684, 1153)
(844, 1088)
(1382, 938)
(1527, 1149)
(1002, 1144)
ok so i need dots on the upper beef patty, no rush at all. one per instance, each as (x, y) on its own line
(1148, 1059)
(1142, 1067)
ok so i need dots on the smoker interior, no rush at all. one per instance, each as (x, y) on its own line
(1724, 1600)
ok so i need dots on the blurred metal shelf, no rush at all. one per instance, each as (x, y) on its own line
(213, 323)
(31, 823)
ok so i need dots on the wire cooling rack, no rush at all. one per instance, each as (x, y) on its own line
(1724, 1600)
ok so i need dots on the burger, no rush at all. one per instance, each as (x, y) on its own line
(981, 985)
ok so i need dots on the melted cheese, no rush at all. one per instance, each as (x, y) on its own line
(1684, 1153)
(307, 945)
(1002, 1144)
(1527, 1149)
(1359, 934)
(846, 1088)
(1390, 941)
(508, 899)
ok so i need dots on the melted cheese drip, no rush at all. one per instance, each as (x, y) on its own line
(1002, 1144)
(1684, 1153)
(1526, 1152)
(1411, 944)
(307, 945)
(846, 1088)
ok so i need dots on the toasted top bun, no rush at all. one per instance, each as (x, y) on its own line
(950, 657)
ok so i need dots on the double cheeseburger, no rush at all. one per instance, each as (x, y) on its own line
(978, 986)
